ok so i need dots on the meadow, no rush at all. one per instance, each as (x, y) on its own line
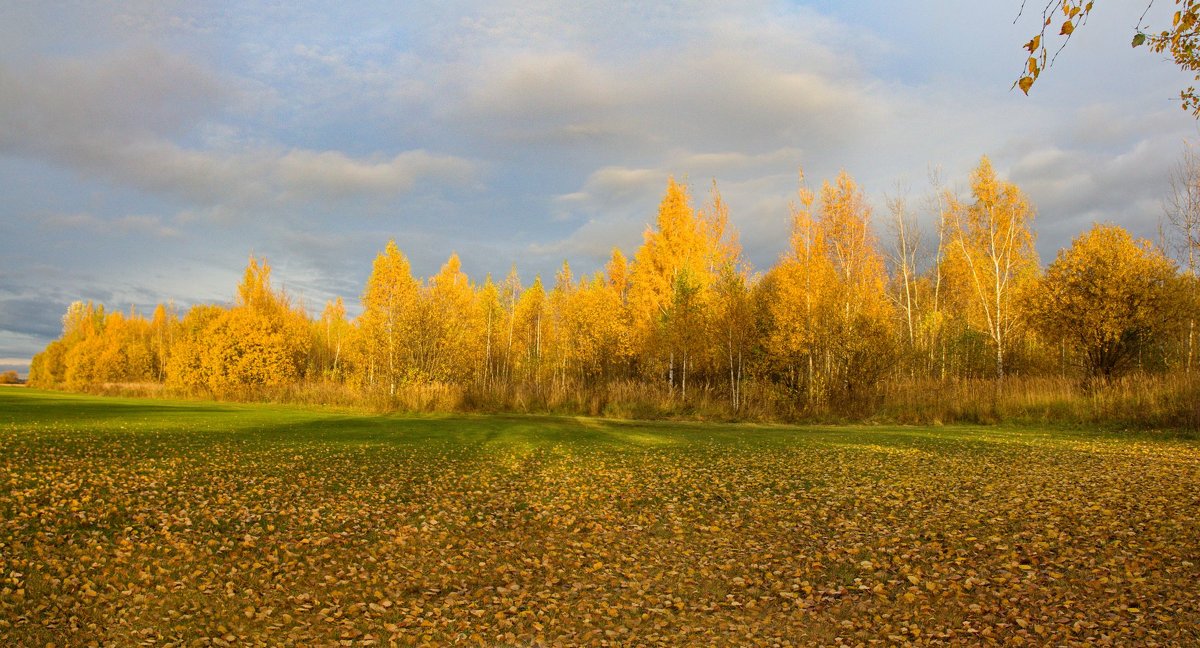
(149, 522)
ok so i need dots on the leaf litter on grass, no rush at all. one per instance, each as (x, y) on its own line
(171, 536)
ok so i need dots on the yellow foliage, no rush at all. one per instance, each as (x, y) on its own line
(386, 326)
(445, 338)
(988, 259)
(262, 341)
(829, 318)
(671, 284)
(1109, 296)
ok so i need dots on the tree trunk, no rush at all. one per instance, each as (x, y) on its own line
(999, 366)
(684, 376)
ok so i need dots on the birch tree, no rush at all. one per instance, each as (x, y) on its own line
(389, 307)
(1183, 212)
(990, 258)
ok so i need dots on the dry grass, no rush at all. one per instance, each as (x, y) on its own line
(1143, 401)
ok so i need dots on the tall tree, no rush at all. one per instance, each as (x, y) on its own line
(1183, 213)
(446, 338)
(733, 324)
(859, 321)
(531, 327)
(905, 250)
(186, 367)
(671, 283)
(794, 295)
(510, 295)
(389, 302)
(990, 259)
(163, 325)
(488, 304)
(829, 317)
(673, 247)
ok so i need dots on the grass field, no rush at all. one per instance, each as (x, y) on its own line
(128, 522)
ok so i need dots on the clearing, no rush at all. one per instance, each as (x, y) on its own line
(186, 523)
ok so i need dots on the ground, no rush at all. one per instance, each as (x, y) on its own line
(125, 522)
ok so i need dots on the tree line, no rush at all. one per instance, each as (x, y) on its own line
(836, 325)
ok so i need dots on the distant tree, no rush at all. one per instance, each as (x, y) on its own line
(125, 351)
(733, 325)
(860, 317)
(510, 295)
(561, 342)
(10, 377)
(793, 297)
(46, 369)
(906, 248)
(83, 328)
(163, 325)
(673, 247)
(597, 329)
(617, 273)
(1110, 297)
(263, 341)
(331, 340)
(531, 328)
(186, 366)
(488, 304)
(446, 338)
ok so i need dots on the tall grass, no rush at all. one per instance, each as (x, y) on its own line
(1139, 401)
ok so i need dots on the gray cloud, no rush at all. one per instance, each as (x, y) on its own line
(1075, 188)
(123, 117)
(31, 316)
(122, 226)
(733, 86)
(545, 93)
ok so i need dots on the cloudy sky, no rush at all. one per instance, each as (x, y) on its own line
(147, 148)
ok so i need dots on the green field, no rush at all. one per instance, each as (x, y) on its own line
(129, 522)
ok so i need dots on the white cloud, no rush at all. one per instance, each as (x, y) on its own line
(591, 244)
(311, 174)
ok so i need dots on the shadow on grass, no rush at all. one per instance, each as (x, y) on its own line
(42, 406)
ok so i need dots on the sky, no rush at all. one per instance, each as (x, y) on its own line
(148, 148)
